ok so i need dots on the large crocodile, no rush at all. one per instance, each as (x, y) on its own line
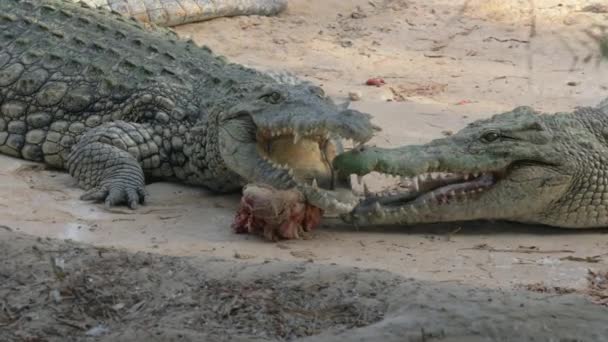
(519, 166)
(115, 103)
(177, 12)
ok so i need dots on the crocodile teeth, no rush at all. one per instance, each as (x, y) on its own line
(415, 184)
(296, 137)
(314, 184)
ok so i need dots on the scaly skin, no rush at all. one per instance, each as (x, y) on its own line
(115, 103)
(178, 12)
(517, 166)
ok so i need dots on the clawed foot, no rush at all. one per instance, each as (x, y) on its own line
(116, 193)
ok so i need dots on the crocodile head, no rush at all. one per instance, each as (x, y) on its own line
(513, 166)
(287, 136)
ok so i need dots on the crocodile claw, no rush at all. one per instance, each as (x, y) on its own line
(113, 195)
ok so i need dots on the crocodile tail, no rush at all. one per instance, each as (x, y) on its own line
(178, 12)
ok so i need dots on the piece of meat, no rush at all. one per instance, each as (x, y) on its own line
(275, 214)
(376, 81)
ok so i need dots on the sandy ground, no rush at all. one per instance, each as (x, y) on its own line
(57, 291)
(444, 65)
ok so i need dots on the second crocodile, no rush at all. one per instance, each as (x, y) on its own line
(516, 166)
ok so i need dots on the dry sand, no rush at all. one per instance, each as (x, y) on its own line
(444, 66)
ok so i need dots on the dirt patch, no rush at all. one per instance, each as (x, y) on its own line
(598, 286)
(52, 290)
(544, 288)
(596, 289)
(63, 291)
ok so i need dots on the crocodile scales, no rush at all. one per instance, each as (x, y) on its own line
(116, 103)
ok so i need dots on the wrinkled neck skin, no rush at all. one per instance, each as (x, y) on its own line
(584, 203)
(206, 161)
(207, 165)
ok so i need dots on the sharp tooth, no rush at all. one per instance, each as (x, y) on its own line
(296, 137)
(452, 193)
(476, 174)
(377, 207)
(434, 175)
(314, 183)
(290, 172)
(414, 210)
(415, 184)
(359, 179)
(466, 176)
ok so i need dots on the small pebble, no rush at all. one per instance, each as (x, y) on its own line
(354, 95)
(97, 331)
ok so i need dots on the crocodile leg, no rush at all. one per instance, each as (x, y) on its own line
(177, 12)
(107, 162)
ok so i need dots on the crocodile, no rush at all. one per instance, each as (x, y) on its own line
(178, 12)
(119, 105)
(521, 166)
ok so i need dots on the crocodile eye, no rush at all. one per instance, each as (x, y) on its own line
(273, 97)
(490, 136)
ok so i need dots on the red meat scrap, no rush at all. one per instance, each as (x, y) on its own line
(275, 214)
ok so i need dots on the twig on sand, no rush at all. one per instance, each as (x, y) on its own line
(75, 325)
(591, 259)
